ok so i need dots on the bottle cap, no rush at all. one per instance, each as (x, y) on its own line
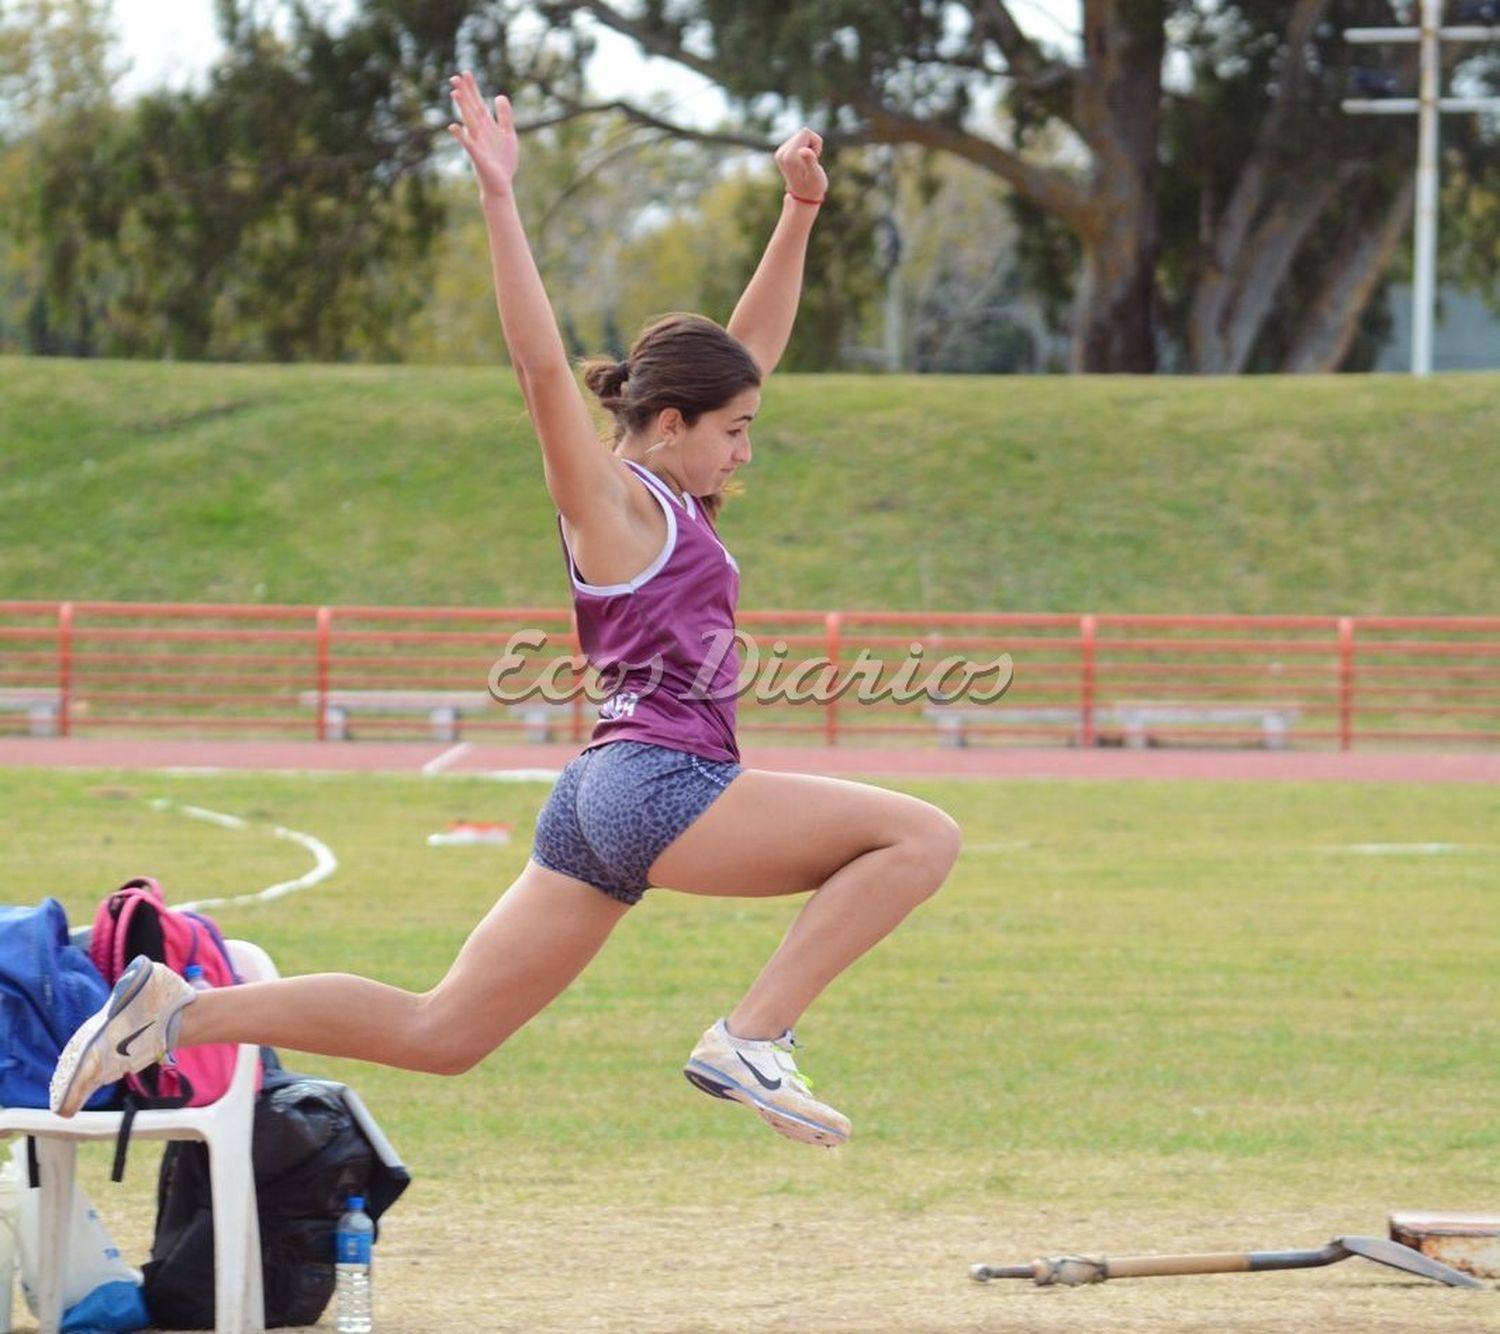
(356, 1202)
(193, 970)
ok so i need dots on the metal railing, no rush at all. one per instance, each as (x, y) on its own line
(842, 677)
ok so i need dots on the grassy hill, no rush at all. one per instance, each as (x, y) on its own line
(421, 485)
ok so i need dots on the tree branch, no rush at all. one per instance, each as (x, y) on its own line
(1048, 188)
(1363, 255)
(1028, 65)
(1052, 190)
(650, 42)
(635, 114)
(1265, 262)
(1301, 26)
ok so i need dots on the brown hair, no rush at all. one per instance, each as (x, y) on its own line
(685, 362)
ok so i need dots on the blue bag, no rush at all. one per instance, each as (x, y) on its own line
(48, 987)
(111, 1308)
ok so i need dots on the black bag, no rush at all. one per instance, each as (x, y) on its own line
(314, 1146)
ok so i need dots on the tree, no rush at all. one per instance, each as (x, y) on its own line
(911, 72)
(283, 211)
(55, 63)
(1187, 216)
(613, 214)
(1285, 210)
(968, 310)
(54, 54)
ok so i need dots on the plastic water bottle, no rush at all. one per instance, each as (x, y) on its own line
(195, 978)
(352, 1244)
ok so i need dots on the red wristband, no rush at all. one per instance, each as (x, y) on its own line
(801, 200)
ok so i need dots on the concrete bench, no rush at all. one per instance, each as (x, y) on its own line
(1137, 719)
(954, 721)
(542, 721)
(41, 707)
(445, 709)
(1132, 721)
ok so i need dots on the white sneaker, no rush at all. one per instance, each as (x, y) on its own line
(764, 1075)
(133, 1030)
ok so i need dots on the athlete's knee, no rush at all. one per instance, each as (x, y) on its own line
(442, 1044)
(930, 846)
(449, 1060)
(948, 838)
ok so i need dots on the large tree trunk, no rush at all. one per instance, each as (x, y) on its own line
(1364, 253)
(1118, 112)
(1248, 253)
(1246, 296)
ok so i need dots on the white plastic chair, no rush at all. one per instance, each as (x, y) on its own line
(225, 1126)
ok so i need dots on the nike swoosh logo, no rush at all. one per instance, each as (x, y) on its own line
(123, 1045)
(760, 1078)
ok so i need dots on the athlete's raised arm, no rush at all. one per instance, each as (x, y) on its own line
(583, 478)
(763, 318)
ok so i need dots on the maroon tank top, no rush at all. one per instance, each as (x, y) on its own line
(664, 643)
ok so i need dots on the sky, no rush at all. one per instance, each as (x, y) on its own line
(171, 43)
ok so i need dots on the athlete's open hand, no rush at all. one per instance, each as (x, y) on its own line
(797, 160)
(489, 140)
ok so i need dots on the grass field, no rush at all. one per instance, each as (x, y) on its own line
(418, 485)
(1141, 1017)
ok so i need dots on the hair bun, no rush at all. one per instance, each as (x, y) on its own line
(606, 378)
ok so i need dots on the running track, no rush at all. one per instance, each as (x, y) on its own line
(485, 758)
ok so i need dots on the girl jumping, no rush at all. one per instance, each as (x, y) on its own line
(659, 797)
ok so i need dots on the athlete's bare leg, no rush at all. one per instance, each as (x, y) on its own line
(869, 855)
(529, 947)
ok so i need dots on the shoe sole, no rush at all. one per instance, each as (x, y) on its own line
(125, 991)
(800, 1128)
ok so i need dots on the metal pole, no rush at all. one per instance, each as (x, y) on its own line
(1428, 105)
(1424, 286)
(323, 663)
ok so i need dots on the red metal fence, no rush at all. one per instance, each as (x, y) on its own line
(824, 677)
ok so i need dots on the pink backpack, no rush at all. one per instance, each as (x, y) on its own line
(135, 920)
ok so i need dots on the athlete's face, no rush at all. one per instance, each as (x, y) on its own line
(712, 449)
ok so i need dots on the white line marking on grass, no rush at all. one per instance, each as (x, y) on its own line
(324, 862)
(440, 762)
(520, 775)
(213, 817)
(1399, 849)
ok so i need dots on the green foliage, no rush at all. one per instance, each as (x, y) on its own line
(844, 279)
(1238, 67)
(966, 309)
(626, 224)
(53, 54)
(296, 206)
(416, 485)
(828, 54)
(1217, 122)
(283, 212)
(615, 217)
(55, 64)
(1245, 105)
(1470, 211)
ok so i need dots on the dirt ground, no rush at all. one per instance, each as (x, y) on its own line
(789, 1267)
(786, 1266)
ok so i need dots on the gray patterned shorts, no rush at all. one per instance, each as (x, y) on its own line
(616, 809)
